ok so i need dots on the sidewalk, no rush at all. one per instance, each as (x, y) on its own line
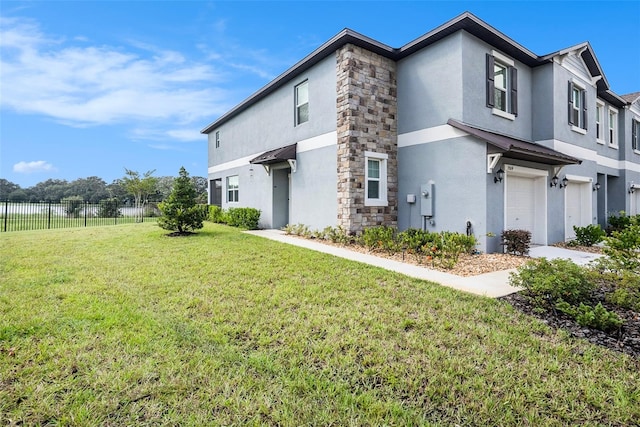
(493, 285)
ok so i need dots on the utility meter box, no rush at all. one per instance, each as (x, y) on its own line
(426, 199)
(411, 198)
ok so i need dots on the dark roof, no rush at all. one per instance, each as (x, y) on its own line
(278, 155)
(466, 21)
(517, 148)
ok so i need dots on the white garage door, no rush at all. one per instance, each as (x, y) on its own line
(635, 201)
(577, 207)
(521, 206)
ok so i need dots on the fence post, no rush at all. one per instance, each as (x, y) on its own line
(49, 216)
(6, 213)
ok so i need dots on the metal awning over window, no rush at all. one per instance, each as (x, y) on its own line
(279, 155)
(516, 148)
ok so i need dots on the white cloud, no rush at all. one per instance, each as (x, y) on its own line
(82, 85)
(33, 167)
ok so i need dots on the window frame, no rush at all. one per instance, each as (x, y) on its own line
(217, 138)
(600, 122)
(635, 134)
(382, 158)
(233, 190)
(510, 89)
(215, 192)
(298, 105)
(581, 126)
(612, 127)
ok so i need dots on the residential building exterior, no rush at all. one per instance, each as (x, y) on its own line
(462, 129)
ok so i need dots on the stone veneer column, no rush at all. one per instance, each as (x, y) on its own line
(367, 110)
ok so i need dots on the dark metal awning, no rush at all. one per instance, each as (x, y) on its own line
(517, 148)
(282, 154)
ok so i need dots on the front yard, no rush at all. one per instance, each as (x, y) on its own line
(125, 326)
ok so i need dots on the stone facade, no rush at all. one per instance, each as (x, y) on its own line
(367, 111)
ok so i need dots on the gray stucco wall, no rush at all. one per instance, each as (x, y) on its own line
(457, 168)
(474, 81)
(430, 85)
(269, 124)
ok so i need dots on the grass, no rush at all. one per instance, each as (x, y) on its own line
(18, 222)
(125, 326)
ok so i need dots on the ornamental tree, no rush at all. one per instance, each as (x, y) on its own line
(180, 211)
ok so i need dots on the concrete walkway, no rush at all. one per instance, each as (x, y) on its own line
(493, 285)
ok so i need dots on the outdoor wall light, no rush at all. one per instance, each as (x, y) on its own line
(499, 176)
(596, 187)
(554, 181)
(565, 181)
(632, 189)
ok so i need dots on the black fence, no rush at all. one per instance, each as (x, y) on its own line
(18, 216)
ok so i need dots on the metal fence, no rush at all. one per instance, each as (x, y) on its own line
(17, 216)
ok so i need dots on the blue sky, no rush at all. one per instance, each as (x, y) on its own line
(90, 88)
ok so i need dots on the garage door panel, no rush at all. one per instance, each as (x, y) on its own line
(521, 207)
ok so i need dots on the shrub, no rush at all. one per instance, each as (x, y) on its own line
(72, 206)
(626, 290)
(246, 218)
(622, 249)
(337, 235)
(589, 235)
(453, 245)
(598, 317)
(180, 212)
(216, 214)
(618, 221)
(382, 237)
(548, 282)
(108, 208)
(516, 242)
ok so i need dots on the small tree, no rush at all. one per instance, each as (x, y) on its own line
(140, 188)
(180, 212)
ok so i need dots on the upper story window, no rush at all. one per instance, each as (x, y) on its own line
(577, 108)
(302, 103)
(613, 127)
(635, 134)
(375, 179)
(217, 139)
(502, 85)
(233, 188)
(599, 122)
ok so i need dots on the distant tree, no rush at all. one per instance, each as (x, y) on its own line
(72, 206)
(116, 190)
(18, 195)
(91, 189)
(109, 208)
(6, 188)
(165, 185)
(50, 190)
(200, 184)
(180, 212)
(140, 187)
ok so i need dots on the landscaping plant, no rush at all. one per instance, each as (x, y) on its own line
(180, 212)
(516, 242)
(589, 235)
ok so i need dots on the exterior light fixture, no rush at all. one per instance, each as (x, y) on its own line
(499, 176)
(596, 187)
(565, 181)
(632, 189)
(554, 181)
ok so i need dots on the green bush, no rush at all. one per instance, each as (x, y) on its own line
(618, 221)
(622, 250)
(589, 235)
(516, 242)
(626, 290)
(598, 317)
(382, 237)
(72, 206)
(453, 245)
(216, 214)
(246, 218)
(547, 282)
(109, 208)
(337, 235)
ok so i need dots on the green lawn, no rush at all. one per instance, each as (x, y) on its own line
(121, 325)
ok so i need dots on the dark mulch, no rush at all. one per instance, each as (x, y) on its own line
(625, 340)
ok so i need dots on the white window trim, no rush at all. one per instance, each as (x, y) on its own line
(503, 114)
(581, 88)
(602, 128)
(382, 201)
(614, 143)
(295, 102)
(503, 59)
(578, 130)
(217, 138)
(637, 120)
(237, 190)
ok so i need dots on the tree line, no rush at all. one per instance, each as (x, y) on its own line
(132, 188)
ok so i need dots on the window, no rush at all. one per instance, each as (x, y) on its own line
(215, 192)
(217, 139)
(302, 103)
(577, 108)
(613, 127)
(502, 82)
(635, 134)
(600, 122)
(375, 179)
(232, 188)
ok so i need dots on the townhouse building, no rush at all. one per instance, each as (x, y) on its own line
(462, 129)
